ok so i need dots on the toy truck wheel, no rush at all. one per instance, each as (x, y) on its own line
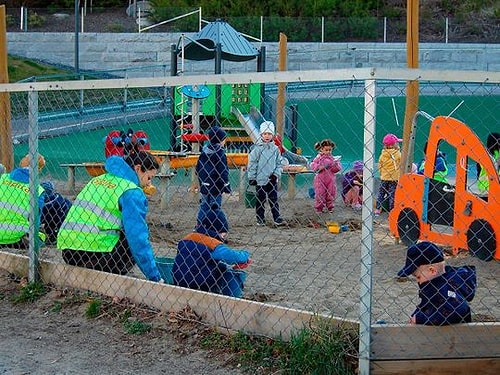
(481, 240)
(408, 226)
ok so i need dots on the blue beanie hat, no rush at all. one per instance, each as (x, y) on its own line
(216, 134)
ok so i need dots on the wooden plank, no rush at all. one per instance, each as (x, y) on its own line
(472, 340)
(226, 312)
(238, 139)
(466, 366)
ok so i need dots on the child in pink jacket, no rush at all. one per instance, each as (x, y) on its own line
(325, 183)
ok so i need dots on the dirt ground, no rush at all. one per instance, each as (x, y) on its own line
(300, 266)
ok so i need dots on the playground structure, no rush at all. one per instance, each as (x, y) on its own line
(424, 206)
(234, 107)
(195, 108)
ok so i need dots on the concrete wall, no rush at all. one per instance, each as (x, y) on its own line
(110, 51)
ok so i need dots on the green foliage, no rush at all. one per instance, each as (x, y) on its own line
(250, 351)
(136, 327)
(57, 307)
(10, 20)
(70, 3)
(325, 349)
(20, 68)
(93, 309)
(30, 292)
(352, 28)
(36, 20)
(164, 12)
(114, 28)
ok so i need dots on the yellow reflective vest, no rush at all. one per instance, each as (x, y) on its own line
(14, 209)
(483, 183)
(94, 221)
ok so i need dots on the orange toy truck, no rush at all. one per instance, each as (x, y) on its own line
(454, 215)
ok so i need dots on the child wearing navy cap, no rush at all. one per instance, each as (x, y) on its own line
(444, 290)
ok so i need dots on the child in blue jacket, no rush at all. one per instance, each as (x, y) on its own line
(213, 174)
(204, 262)
(445, 291)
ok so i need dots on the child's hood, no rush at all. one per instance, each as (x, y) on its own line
(118, 167)
(463, 279)
(21, 175)
(211, 148)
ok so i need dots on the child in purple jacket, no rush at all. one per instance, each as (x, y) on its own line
(352, 186)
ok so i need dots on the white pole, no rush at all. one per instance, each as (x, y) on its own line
(22, 17)
(261, 28)
(322, 29)
(385, 29)
(395, 112)
(139, 19)
(199, 20)
(446, 31)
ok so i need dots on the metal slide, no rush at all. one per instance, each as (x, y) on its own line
(251, 123)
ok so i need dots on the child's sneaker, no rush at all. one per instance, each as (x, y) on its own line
(260, 222)
(279, 222)
(376, 212)
(357, 207)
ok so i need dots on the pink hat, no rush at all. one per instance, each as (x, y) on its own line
(391, 140)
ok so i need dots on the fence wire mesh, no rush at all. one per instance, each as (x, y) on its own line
(330, 258)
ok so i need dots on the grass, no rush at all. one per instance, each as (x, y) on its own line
(20, 68)
(30, 292)
(325, 349)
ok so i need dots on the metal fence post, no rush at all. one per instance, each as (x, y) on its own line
(366, 263)
(34, 242)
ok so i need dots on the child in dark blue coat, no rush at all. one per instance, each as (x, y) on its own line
(213, 174)
(204, 262)
(444, 290)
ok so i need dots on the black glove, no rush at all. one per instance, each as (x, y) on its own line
(252, 182)
(273, 178)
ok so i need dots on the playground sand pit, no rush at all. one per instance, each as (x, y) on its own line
(301, 265)
(304, 266)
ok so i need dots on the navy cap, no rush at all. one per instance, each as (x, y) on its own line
(419, 254)
(216, 134)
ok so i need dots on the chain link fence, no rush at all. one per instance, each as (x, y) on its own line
(341, 264)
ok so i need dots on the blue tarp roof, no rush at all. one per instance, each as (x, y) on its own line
(234, 46)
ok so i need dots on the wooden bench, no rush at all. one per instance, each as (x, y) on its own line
(291, 189)
(163, 187)
(70, 184)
